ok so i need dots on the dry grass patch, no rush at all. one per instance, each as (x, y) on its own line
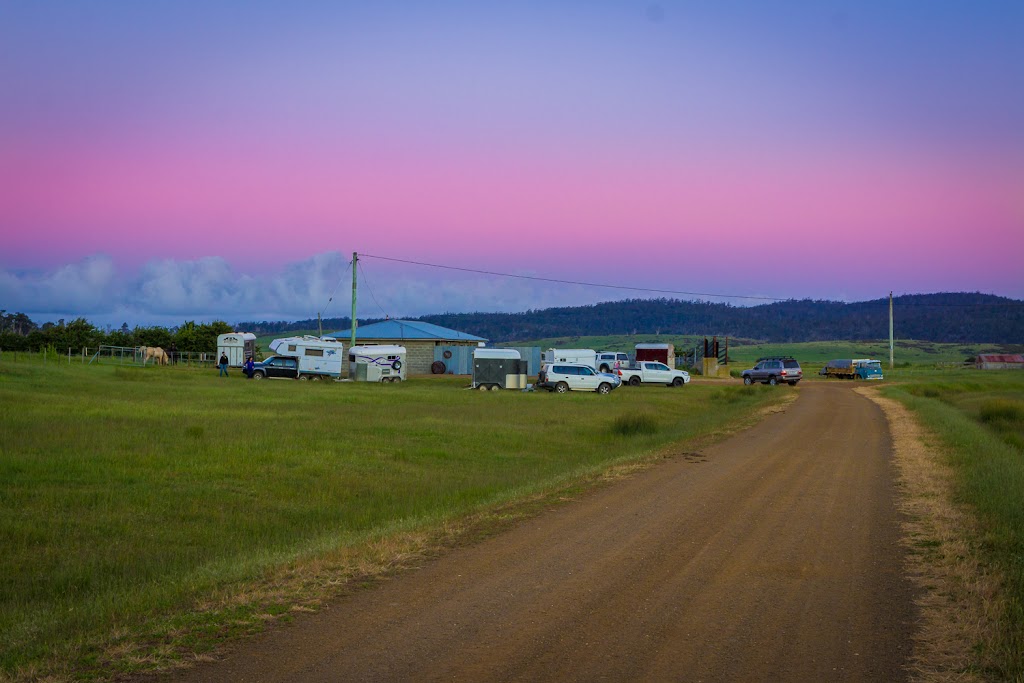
(959, 604)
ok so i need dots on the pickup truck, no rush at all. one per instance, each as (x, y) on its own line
(284, 366)
(652, 372)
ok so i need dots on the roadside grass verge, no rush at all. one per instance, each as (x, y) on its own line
(978, 420)
(147, 514)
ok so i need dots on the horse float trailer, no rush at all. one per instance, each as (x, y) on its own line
(237, 346)
(581, 356)
(495, 369)
(380, 363)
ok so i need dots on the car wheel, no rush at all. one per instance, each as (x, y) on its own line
(303, 378)
(604, 368)
(748, 380)
(677, 382)
(396, 380)
(315, 378)
(634, 381)
(495, 387)
(562, 387)
(772, 381)
(257, 375)
(604, 388)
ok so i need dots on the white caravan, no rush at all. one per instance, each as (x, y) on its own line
(581, 356)
(381, 363)
(316, 355)
(237, 346)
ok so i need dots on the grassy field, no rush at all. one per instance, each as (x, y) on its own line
(979, 418)
(746, 351)
(150, 512)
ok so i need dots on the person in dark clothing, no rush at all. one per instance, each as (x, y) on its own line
(249, 367)
(223, 365)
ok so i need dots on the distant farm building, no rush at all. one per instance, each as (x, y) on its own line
(419, 338)
(661, 353)
(999, 361)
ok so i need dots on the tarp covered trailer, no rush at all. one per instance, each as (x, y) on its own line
(377, 363)
(498, 369)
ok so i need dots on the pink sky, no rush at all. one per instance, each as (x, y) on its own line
(702, 150)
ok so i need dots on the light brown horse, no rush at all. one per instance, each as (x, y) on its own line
(158, 355)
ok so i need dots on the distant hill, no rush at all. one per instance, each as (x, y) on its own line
(946, 317)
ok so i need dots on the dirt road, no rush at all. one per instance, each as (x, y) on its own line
(773, 556)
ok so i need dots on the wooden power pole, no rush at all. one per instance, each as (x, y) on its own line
(355, 262)
(890, 332)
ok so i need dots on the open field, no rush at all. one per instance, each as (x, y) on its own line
(978, 417)
(148, 513)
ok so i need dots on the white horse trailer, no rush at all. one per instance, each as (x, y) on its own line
(316, 355)
(237, 346)
(382, 363)
(498, 369)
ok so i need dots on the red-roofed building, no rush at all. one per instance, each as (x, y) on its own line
(999, 361)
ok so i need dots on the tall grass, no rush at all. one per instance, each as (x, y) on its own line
(979, 420)
(130, 495)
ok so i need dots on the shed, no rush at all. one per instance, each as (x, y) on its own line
(418, 337)
(661, 353)
(999, 361)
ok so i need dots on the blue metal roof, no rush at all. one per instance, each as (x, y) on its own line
(405, 329)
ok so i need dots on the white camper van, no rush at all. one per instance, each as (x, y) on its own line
(317, 356)
(237, 346)
(581, 356)
(382, 363)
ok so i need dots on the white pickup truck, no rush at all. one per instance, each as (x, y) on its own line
(652, 372)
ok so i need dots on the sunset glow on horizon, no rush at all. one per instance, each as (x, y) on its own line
(671, 145)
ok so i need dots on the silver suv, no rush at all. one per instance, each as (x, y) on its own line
(774, 369)
(607, 361)
(565, 377)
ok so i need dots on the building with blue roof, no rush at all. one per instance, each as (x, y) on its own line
(419, 338)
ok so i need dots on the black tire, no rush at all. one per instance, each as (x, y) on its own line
(315, 378)
(634, 381)
(258, 374)
(438, 367)
(748, 380)
(772, 381)
(604, 368)
(481, 387)
(396, 380)
(604, 388)
(303, 378)
(495, 387)
(397, 365)
(562, 388)
(677, 382)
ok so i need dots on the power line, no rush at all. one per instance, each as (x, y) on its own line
(574, 282)
(366, 281)
(678, 292)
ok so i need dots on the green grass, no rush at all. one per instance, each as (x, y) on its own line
(130, 496)
(979, 417)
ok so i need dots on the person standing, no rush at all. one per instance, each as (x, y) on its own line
(223, 365)
(249, 367)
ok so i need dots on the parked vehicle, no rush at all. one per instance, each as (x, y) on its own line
(649, 372)
(607, 361)
(309, 357)
(774, 369)
(380, 363)
(495, 369)
(237, 346)
(855, 368)
(563, 377)
(581, 356)
(281, 367)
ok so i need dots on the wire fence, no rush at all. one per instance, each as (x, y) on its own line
(107, 355)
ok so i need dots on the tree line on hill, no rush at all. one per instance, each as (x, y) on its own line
(947, 317)
(18, 332)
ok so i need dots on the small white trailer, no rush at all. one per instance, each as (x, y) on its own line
(380, 363)
(498, 369)
(317, 356)
(237, 346)
(582, 356)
